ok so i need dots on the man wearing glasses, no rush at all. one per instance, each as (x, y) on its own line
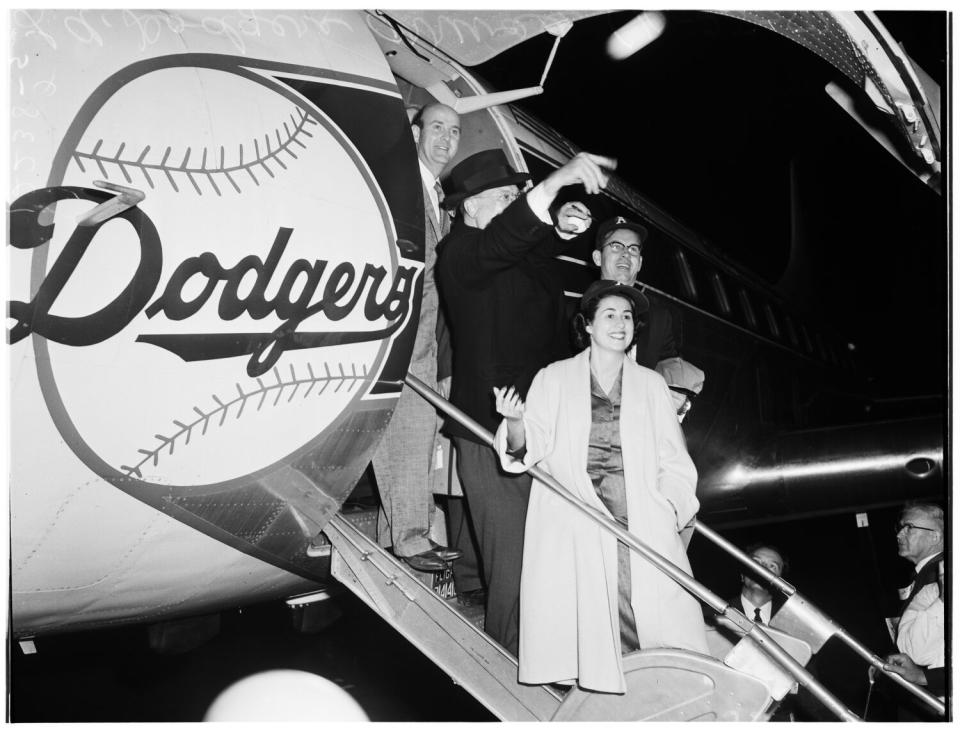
(504, 303)
(920, 632)
(618, 251)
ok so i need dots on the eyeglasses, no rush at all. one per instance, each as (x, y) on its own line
(507, 196)
(619, 248)
(910, 526)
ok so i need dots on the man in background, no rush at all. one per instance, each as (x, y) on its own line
(756, 600)
(920, 629)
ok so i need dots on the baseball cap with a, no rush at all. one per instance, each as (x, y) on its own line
(616, 224)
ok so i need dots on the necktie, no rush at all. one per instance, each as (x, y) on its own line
(439, 188)
(756, 615)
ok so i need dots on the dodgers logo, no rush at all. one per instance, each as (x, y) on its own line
(257, 295)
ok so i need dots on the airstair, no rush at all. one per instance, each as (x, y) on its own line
(750, 670)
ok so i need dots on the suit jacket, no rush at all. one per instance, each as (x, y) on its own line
(569, 621)
(926, 575)
(504, 300)
(655, 341)
(936, 681)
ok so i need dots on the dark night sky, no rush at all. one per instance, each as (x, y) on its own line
(706, 122)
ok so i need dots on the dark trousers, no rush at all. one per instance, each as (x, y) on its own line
(498, 508)
(467, 574)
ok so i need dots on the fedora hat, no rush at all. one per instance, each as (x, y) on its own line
(478, 172)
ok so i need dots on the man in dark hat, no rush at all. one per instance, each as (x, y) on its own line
(618, 252)
(504, 301)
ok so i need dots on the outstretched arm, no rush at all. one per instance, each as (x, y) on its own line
(585, 169)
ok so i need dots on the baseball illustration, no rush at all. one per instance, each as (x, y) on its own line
(242, 304)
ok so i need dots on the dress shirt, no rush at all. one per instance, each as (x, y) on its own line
(766, 610)
(537, 200)
(604, 457)
(920, 633)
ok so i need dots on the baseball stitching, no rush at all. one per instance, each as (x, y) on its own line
(204, 419)
(285, 141)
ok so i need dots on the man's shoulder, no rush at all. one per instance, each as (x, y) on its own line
(458, 235)
(931, 567)
(659, 308)
(644, 373)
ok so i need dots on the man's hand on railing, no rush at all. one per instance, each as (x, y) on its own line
(905, 666)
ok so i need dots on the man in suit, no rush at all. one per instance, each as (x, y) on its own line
(402, 463)
(759, 603)
(920, 629)
(756, 600)
(618, 252)
(505, 304)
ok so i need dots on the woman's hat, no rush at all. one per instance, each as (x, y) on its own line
(478, 172)
(605, 287)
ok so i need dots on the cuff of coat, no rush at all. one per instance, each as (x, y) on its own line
(540, 204)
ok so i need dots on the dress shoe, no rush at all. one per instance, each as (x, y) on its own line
(476, 597)
(447, 553)
(427, 562)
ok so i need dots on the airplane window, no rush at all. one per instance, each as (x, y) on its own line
(686, 275)
(748, 308)
(771, 320)
(720, 292)
(537, 167)
(659, 268)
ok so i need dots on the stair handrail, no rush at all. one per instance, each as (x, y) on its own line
(834, 629)
(753, 631)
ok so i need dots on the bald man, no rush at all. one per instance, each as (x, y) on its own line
(402, 464)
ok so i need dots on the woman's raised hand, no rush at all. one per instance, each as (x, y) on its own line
(509, 403)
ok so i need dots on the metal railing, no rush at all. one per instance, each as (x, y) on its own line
(819, 626)
(814, 625)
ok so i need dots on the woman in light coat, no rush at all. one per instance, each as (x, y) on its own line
(585, 598)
